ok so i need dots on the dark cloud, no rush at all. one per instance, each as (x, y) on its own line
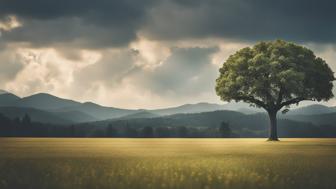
(106, 23)
(72, 31)
(112, 10)
(82, 23)
(299, 20)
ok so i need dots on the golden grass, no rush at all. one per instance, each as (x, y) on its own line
(167, 163)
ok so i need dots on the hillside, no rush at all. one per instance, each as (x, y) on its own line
(95, 112)
(99, 112)
(206, 107)
(255, 125)
(3, 92)
(48, 108)
(312, 109)
(35, 115)
(75, 116)
(45, 101)
(321, 119)
(62, 107)
(189, 108)
(8, 99)
(138, 115)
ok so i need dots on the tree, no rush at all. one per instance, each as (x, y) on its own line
(274, 75)
(130, 132)
(26, 121)
(147, 132)
(111, 131)
(27, 125)
(163, 132)
(72, 131)
(225, 130)
(182, 132)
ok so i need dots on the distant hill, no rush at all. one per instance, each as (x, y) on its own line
(75, 116)
(253, 125)
(3, 92)
(204, 119)
(77, 112)
(309, 121)
(44, 116)
(189, 108)
(99, 112)
(35, 115)
(45, 101)
(62, 107)
(207, 107)
(312, 109)
(242, 107)
(8, 99)
(328, 118)
(42, 101)
(141, 114)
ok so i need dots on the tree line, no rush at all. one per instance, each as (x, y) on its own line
(25, 127)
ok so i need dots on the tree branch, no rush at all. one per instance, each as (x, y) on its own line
(251, 99)
(293, 101)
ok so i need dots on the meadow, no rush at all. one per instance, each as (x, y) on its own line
(67, 163)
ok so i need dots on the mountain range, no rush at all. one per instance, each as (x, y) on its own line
(43, 107)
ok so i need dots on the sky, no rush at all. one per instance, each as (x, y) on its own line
(146, 53)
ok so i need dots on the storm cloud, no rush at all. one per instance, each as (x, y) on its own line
(145, 53)
(82, 23)
(299, 20)
(104, 23)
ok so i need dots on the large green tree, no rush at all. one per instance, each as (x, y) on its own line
(273, 75)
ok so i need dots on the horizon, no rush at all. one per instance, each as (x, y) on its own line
(221, 103)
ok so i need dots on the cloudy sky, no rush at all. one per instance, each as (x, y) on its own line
(145, 53)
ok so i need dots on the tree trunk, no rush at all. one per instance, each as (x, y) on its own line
(273, 135)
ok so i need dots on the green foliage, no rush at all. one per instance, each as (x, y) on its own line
(147, 132)
(225, 130)
(26, 121)
(273, 75)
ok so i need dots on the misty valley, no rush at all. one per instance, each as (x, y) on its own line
(44, 115)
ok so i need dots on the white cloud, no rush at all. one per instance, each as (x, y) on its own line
(44, 70)
(8, 23)
(146, 74)
(151, 53)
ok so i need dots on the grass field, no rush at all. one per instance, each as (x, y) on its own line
(33, 163)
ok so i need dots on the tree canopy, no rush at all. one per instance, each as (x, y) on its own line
(273, 75)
